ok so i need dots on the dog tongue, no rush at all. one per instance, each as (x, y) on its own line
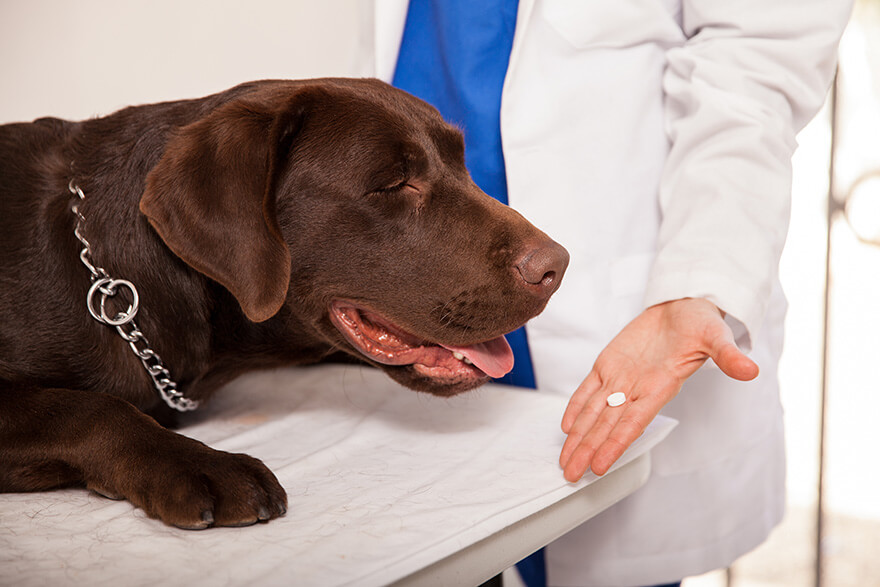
(494, 358)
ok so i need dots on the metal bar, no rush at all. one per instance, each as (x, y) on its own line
(832, 211)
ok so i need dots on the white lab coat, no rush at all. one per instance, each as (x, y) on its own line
(653, 138)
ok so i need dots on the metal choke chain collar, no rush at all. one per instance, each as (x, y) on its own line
(103, 287)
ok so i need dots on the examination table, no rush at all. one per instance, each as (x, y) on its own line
(385, 486)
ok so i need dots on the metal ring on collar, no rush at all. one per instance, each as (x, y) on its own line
(108, 287)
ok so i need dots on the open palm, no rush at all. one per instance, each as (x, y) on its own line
(648, 361)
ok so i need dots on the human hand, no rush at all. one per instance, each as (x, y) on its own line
(648, 361)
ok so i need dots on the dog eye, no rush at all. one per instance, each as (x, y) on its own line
(403, 185)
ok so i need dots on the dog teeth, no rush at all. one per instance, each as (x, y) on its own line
(462, 358)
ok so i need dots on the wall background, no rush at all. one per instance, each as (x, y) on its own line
(91, 57)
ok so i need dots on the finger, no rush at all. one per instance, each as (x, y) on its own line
(732, 361)
(579, 398)
(589, 415)
(582, 453)
(630, 426)
(629, 422)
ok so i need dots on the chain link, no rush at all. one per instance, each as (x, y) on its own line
(124, 323)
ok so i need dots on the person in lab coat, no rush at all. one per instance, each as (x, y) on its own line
(653, 139)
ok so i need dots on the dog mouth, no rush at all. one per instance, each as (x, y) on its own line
(380, 340)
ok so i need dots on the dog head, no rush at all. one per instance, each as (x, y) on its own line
(348, 202)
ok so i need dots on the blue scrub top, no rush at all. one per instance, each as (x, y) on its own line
(454, 55)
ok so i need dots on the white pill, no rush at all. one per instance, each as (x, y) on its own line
(616, 399)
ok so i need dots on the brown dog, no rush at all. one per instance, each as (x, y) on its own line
(272, 224)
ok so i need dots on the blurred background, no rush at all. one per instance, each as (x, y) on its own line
(87, 58)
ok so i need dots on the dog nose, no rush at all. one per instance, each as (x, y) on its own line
(543, 266)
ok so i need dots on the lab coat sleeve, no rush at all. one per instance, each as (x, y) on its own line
(751, 74)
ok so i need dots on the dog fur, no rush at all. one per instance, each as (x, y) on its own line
(276, 223)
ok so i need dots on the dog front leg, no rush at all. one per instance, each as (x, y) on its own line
(52, 438)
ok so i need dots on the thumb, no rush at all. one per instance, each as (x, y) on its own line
(732, 361)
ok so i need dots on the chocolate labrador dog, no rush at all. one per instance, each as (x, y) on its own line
(276, 223)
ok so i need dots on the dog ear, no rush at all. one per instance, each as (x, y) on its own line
(211, 197)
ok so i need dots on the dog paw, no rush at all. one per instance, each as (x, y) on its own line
(201, 487)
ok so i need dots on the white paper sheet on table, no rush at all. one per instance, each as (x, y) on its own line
(381, 482)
